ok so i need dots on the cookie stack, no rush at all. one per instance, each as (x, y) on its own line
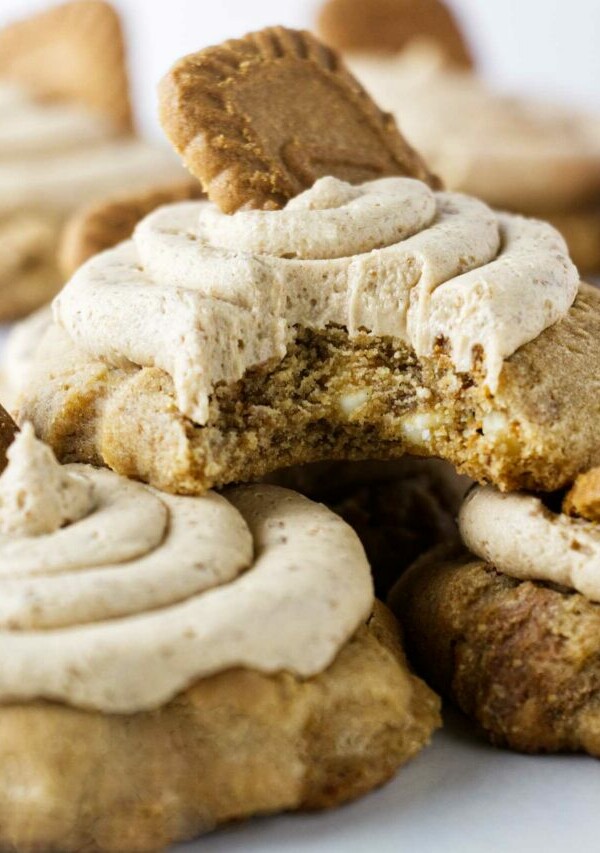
(177, 657)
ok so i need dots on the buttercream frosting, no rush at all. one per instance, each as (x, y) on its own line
(205, 296)
(115, 597)
(512, 151)
(521, 537)
(54, 157)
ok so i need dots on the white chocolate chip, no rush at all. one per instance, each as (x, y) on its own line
(353, 400)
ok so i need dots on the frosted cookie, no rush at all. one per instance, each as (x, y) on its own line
(515, 153)
(511, 630)
(386, 27)
(359, 321)
(232, 641)
(65, 138)
(400, 508)
(267, 361)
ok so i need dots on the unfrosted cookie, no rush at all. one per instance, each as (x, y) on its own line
(8, 430)
(29, 274)
(388, 26)
(581, 229)
(172, 663)
(259, 119)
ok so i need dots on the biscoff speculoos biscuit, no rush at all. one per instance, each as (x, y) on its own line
(583, 498)
(259, 119)
(388, 26)
(519, 657)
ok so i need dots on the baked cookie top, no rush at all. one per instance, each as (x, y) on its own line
(115, 596)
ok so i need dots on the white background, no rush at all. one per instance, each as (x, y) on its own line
(551, 47)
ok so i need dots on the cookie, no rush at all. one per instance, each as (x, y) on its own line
(72, 52)
(388, 26)
(128, 418)
(518, 657)
(29, 275)
(8, 430)
(259, 119)
(273, 743)
(18, 354)
(212, 659)
(330, 391)
(400, 509)
(107, 222)
(581, 230)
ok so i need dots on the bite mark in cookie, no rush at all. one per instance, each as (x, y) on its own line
(259, 119)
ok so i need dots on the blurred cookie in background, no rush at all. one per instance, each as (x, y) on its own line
(66, 136)
(515, 153)
(387, 27)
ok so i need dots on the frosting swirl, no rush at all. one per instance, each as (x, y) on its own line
(54, 157)
(116, 597)
(205, 296)
(521, 537)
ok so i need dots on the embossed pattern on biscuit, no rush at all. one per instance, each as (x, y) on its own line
(73, 52)
(259, 119)
(381, 26)
(115, 597)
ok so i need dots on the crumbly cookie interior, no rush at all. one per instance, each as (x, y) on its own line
(333, 397)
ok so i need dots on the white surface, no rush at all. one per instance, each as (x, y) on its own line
(458, 796)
